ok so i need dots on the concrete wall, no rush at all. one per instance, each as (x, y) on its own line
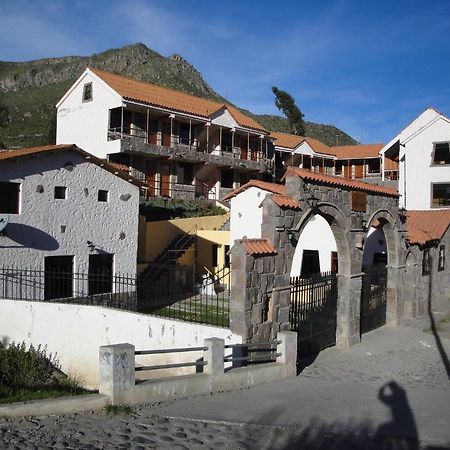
(76, 332)
(86, 123)
(246, 215)
(36, 232)
(205, 241)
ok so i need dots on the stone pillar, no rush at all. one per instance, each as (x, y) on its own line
(348, 310)
(394, 297)
(239, 307)
(288, 349)
(117, 376)
(214, 356)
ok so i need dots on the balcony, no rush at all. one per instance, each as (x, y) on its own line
(135, 141)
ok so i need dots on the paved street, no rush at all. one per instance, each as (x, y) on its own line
(391, 391)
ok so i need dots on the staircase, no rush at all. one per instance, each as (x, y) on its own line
(157, 287)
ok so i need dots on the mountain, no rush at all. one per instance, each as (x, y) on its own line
(29, 91)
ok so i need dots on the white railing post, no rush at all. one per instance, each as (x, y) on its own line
(213, 356)
(288, 349)
(117, 377)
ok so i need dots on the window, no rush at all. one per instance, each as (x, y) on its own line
(426, 262)
(103, 196)
(60, 192)
(441, 263)
(87, 92)
(227, 178)
(440, 195)
(9, 197)
(441, 154)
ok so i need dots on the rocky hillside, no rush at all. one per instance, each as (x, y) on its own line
(29, 91)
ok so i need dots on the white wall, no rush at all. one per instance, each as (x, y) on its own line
(246, 215)
(420, 172)
(316, 235)
(76, 332)
(86, 123)
(36, 231)
(375, 242)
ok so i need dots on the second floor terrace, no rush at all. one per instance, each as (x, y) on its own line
(150, 131)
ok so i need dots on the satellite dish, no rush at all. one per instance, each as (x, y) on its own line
(4, 220)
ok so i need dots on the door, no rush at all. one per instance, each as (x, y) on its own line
(359, 173)
(165, 180)
(150, 177)
(100, 274)
(347, 171)
(373, 298)
(166, 135)
(58, 277)
(153, 132)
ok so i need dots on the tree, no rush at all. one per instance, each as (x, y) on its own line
(286, 103)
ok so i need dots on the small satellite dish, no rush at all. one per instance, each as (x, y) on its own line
(4, 220)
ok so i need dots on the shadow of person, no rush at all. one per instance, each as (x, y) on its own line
(400, 433)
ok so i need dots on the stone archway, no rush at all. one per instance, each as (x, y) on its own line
(348, 206)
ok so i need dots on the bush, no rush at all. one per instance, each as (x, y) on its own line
(20, 366)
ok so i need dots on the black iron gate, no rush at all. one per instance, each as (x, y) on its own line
(313, 312)
(373, 298)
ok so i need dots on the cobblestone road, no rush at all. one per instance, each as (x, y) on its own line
(333, 404)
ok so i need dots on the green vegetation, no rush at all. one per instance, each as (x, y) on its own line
(30, 90)
(286, 103)
(31, 374)
(118, 410)
(161, 208)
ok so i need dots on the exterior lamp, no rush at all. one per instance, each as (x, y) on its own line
(402, 214)
(91, 246)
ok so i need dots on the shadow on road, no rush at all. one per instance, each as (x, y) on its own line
(398, 433)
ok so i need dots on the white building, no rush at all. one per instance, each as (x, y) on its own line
(423, 152)
(181, 145)
(67, 211)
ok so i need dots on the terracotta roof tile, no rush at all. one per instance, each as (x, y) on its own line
(283, 201)
(340, 182)
(264, 185)
(258, 247)
(292, 141)
(120, 166)
(171, 99)
(357, 151)
(36, 151)
(426, 226)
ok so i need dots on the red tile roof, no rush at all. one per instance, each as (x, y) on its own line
(264, 185)
(339, 181)
(171, 99)
(36, 151)
(258, 247)
(357, 151)
(283, 201)
(426, 226)
(292, 141)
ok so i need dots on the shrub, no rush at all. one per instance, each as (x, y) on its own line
(20, 366)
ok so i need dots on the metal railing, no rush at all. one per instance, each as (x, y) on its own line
(175, 295)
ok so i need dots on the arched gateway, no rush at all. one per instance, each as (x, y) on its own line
(261, 301)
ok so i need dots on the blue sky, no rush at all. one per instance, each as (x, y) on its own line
(366, 67)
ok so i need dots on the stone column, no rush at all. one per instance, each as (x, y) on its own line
(117, 378)
(214, 356)
(394, 297)
(288, 349)
(348, 310)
